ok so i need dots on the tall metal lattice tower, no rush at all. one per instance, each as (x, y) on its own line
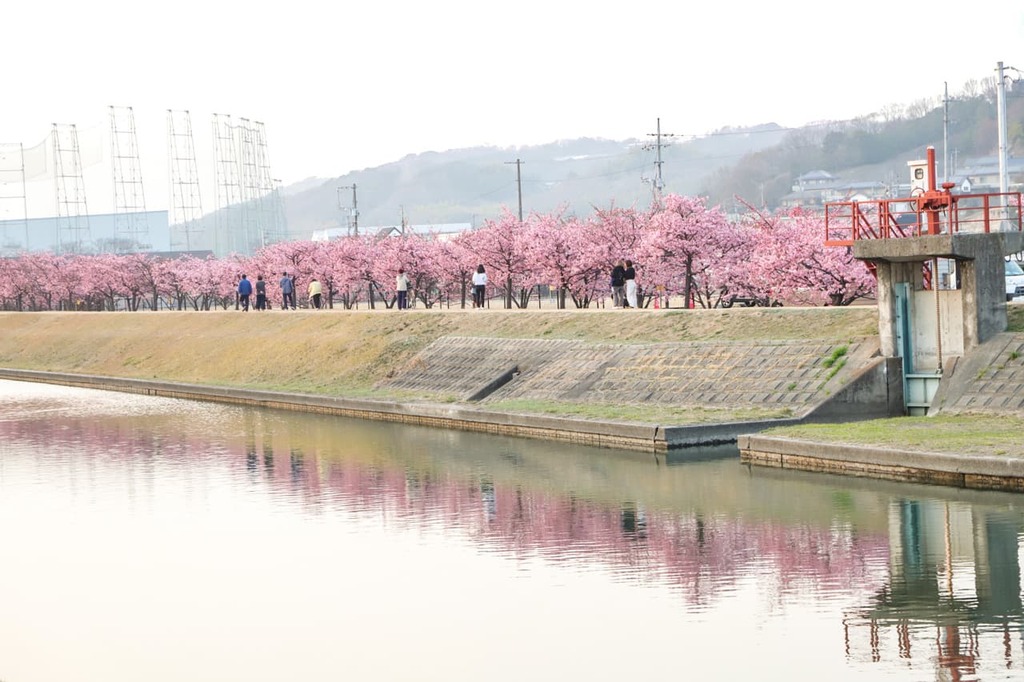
(13, 199)
(227, 188)
(252, 197)
(131, 226)
(72, 211)
(186, 209)
(271, 204)
(250, 213)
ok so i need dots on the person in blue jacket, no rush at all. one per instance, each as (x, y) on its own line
(244, 291)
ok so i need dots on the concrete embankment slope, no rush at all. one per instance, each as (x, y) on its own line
(989, 380)
(656, 370)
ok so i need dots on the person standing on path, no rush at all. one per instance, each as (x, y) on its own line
(618, 284)
(244, 291)
(479, 286)
(402, 288)
(630, 277)
(287, 291)
(315, 291)
(261, 293)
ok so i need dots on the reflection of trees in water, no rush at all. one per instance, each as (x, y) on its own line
(699, 555)
(914, 614)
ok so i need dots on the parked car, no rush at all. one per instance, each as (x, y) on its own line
(1014, 280)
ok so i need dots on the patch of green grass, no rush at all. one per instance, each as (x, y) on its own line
(646, 414)
(835, 368)
(839, 352)
(957, 434)
(1015, 317)
(1014, 355)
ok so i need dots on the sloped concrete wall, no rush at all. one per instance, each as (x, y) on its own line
(735, 374)
(990, 379)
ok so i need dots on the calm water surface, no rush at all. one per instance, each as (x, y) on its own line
(155, 539)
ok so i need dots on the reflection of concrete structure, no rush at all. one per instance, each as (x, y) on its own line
(954, 589)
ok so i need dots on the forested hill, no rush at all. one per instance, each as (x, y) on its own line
(758, 164)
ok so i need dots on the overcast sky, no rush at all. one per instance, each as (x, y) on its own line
(347, 85)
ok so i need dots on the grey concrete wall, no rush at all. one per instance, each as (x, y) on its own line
(965, 471)
(989, 296)
(876, 392)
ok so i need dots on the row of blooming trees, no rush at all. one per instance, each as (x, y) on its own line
(683, 250)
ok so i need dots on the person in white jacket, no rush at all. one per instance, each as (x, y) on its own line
(402, 288)
(479, 286)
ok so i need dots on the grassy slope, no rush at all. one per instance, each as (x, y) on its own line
(346, 353)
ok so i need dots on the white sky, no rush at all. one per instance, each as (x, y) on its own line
(348, 85)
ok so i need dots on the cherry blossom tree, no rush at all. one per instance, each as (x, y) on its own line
(792, 262)
(569, 255)
(498, 244)
(455, 263)
(681, 247)
(685, 246)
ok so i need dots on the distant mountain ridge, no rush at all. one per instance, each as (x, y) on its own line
(758, 164)
(473, 184)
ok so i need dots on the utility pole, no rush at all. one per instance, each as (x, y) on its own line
(1004, 183)
(519, 186)
(945, 131)
(659, 183)
(353, 220)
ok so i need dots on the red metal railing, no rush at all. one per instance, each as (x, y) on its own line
(938, 212)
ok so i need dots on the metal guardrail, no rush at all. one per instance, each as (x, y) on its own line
(849, 221)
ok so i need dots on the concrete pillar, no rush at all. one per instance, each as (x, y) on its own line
(886, 308)
(986, 298)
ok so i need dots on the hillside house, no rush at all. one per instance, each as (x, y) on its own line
(815, 188)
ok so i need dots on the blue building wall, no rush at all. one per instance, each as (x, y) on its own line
(99, 236)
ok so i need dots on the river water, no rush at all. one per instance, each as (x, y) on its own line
(156, 539)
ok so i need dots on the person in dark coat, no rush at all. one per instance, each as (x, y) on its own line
(618, 284)
(244, 291)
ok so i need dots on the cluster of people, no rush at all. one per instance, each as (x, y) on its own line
(245, 291)
(624, 285)
(402, 284)
(624, 292)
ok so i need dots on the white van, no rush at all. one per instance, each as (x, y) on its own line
(1014, 280)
